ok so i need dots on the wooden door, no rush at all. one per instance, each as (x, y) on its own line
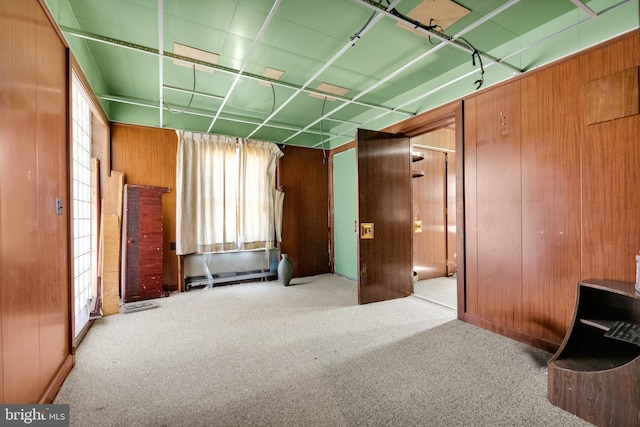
(384, 216)
(429, 215)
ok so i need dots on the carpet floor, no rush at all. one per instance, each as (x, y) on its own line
(262, 354)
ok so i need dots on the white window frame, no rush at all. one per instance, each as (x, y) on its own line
(81, 195)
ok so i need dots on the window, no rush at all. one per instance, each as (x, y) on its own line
(82, 206)
(225, 193)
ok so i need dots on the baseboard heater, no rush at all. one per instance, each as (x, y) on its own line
(216, 268)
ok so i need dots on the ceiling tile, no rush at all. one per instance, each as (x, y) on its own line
(303, 40)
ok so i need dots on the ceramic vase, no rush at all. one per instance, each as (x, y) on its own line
(285, 270)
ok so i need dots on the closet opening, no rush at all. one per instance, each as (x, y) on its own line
(433, 157)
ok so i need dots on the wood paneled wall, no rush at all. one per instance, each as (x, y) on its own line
(35, 298)
(304, 178)
(497, 220)
(147, 156)
(549, 199)
(610, 165)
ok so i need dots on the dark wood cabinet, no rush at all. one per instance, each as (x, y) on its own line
(596, 372)
(142, 243)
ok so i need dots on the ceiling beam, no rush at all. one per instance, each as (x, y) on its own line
(567, 29)
(264, 27)
(373, 21)
(455, 42)
(153, 51)
(374, 86)
(194, 112)
(485, 18)
(160, 60)
(413, 62)
(424, 95)
(514, 53)
(584, 7)
(192, 92)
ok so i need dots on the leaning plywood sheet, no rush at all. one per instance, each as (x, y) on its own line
(111, 265)
(113, 199)
(96, 257)
(112, 213)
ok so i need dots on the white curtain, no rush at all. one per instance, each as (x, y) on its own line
(257, 183)
(224, 194)
(279, 200)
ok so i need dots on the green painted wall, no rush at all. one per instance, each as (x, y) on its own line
(345, 203)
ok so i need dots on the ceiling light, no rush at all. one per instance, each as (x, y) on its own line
(193, 53)
(270, 73)
(329, 88)
(442, 13)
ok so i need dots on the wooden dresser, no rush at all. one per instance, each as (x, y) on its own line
(142, 247)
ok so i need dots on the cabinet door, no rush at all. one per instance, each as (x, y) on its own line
(494, 228)
(35, 297)
(384, 203)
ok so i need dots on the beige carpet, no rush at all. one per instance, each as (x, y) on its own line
(263, 354)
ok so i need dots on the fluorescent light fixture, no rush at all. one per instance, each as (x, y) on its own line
(270, 73)
(442, 13)
(329, 88)
(193, 53)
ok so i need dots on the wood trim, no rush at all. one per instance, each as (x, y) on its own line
(460, 211)
(437, 118)
(69, 202)
(95, 105)
(508, 332)
(332, 259)
(56, 382)
(343, 147)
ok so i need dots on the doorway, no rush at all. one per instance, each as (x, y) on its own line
(434, 215)
(369, 194)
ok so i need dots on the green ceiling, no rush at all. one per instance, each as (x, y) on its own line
(390, 73)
